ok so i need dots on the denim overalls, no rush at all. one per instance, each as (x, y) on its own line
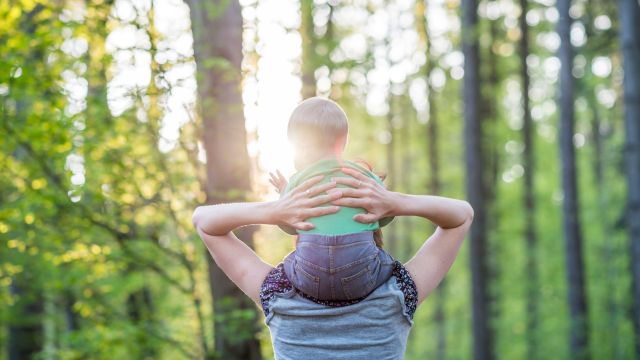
(338, 267)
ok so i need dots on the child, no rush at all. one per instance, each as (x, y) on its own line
(338, 259)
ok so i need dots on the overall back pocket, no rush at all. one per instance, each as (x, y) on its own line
(358, 285)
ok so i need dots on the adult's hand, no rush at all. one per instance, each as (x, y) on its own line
(366, 193)
(302, 203)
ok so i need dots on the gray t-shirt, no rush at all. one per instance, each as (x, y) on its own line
(374, 328)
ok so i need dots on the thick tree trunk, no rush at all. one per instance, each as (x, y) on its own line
(629, 11)
(482, 332)
(529, 193)
(571, 223)
(217, 32)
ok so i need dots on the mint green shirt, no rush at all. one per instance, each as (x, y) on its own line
(342, 221)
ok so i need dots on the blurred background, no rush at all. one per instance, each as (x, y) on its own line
(119, 117)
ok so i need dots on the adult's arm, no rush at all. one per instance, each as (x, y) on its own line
(238, 261)
(434, 258)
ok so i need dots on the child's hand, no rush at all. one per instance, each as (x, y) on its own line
(280, 182)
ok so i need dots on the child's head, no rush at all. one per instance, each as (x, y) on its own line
(317, 128)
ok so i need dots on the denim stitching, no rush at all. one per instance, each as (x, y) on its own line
(315, 279)
(310, 264)
(346, 286)
(351, 264)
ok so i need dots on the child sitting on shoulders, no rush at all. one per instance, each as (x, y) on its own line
(340, 259)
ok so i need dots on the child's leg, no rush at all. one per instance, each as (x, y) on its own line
(333, 267)
(382, 267)
(301, 276)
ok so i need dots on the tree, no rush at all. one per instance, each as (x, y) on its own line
(217, 33)
(432, 136)
(629, 13)
(529, 194)
(482, 333)
(571, 221)
(309, 43)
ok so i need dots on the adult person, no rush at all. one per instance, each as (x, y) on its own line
(376, 326)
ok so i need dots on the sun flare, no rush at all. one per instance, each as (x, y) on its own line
(272, 86)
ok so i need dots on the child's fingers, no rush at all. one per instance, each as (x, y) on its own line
(303, 226)
(365, 218)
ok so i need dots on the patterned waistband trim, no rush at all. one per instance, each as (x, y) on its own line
(276, 282)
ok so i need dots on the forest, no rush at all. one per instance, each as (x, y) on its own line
(120, 117)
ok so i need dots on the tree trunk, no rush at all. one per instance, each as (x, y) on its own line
(489, 84)
(391, 233)
(309, 42)
(598, 139)
(571, 223)
(140, 311)
(489, 106)
(25, 334)
(434, 165)
(217, 32)
(529, 193)
(629, 12)
(434, 189)
(404, 141)
(482, 332)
